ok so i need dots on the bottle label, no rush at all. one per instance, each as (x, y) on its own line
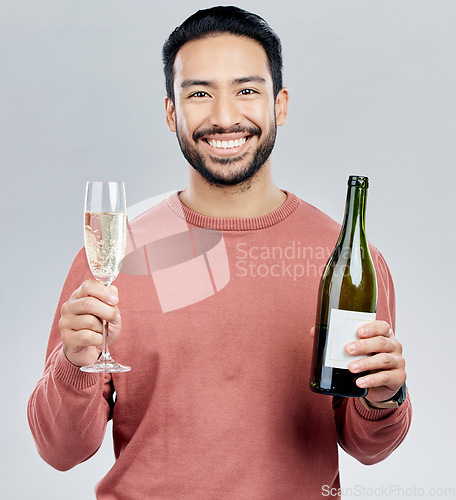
(342, 330)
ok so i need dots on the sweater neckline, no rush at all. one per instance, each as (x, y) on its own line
(233, 224)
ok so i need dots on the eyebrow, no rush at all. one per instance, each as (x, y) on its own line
(236, 81)
(192, 83)
(248, 79)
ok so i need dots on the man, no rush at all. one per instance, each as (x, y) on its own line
(216, 298)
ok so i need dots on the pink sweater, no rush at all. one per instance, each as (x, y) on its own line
(216, 329)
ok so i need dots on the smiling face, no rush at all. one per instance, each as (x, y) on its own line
(224, 113)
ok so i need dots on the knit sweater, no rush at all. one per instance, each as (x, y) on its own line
(216, 315)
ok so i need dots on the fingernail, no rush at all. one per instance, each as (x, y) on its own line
(362, 330)
(117, 320)
(361, 382)
(113, 299)
(351, 347)
(355, 367)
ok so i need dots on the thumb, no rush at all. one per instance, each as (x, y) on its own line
(114, 328)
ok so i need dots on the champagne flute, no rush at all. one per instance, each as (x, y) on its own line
(105, 236)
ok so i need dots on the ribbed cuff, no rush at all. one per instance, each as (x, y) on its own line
(71, 374)
(373, 413)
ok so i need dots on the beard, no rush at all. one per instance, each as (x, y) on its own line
(228, 177)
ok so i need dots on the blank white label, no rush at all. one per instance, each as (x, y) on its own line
(342, 330)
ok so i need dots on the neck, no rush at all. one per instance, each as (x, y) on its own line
(256, 197)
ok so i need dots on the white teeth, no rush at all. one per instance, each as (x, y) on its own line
(227, 144)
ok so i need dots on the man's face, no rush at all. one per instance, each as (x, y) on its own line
(224, 114)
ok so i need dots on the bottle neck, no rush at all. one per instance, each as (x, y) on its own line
(355, 213)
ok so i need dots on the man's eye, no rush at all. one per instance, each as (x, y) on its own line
(200, 93)
(247, 92)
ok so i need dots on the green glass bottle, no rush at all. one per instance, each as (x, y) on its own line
(347, 299)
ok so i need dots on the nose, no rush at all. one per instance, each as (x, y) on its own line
(225, 112)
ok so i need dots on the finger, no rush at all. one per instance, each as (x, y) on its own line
(374, 345)
(389, 378)
(76, 340)
(91, 306)
(92, 288)
(113, 332)
(84, 322)
(377, 362)
(80, 339)
(374, 329)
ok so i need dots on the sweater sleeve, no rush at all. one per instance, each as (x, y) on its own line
(371, 436)
(68, 409)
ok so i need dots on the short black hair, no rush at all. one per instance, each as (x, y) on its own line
(224, 19)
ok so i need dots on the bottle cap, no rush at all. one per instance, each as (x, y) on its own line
(358, 181)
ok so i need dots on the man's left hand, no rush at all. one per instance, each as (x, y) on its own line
(384, 360)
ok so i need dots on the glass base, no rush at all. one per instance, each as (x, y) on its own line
(107, 365)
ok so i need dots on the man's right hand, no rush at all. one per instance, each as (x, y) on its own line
(81, 321)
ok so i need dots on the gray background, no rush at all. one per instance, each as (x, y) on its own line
(372, 92)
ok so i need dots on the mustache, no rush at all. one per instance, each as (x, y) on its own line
(232, 130)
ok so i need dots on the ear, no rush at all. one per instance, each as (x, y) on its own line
(170, 114)
(281, 106)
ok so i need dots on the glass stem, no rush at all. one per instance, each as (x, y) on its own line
(105, 355)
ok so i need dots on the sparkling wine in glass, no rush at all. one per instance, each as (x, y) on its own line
(105, 236)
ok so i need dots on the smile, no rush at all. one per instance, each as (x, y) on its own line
(236, 143)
